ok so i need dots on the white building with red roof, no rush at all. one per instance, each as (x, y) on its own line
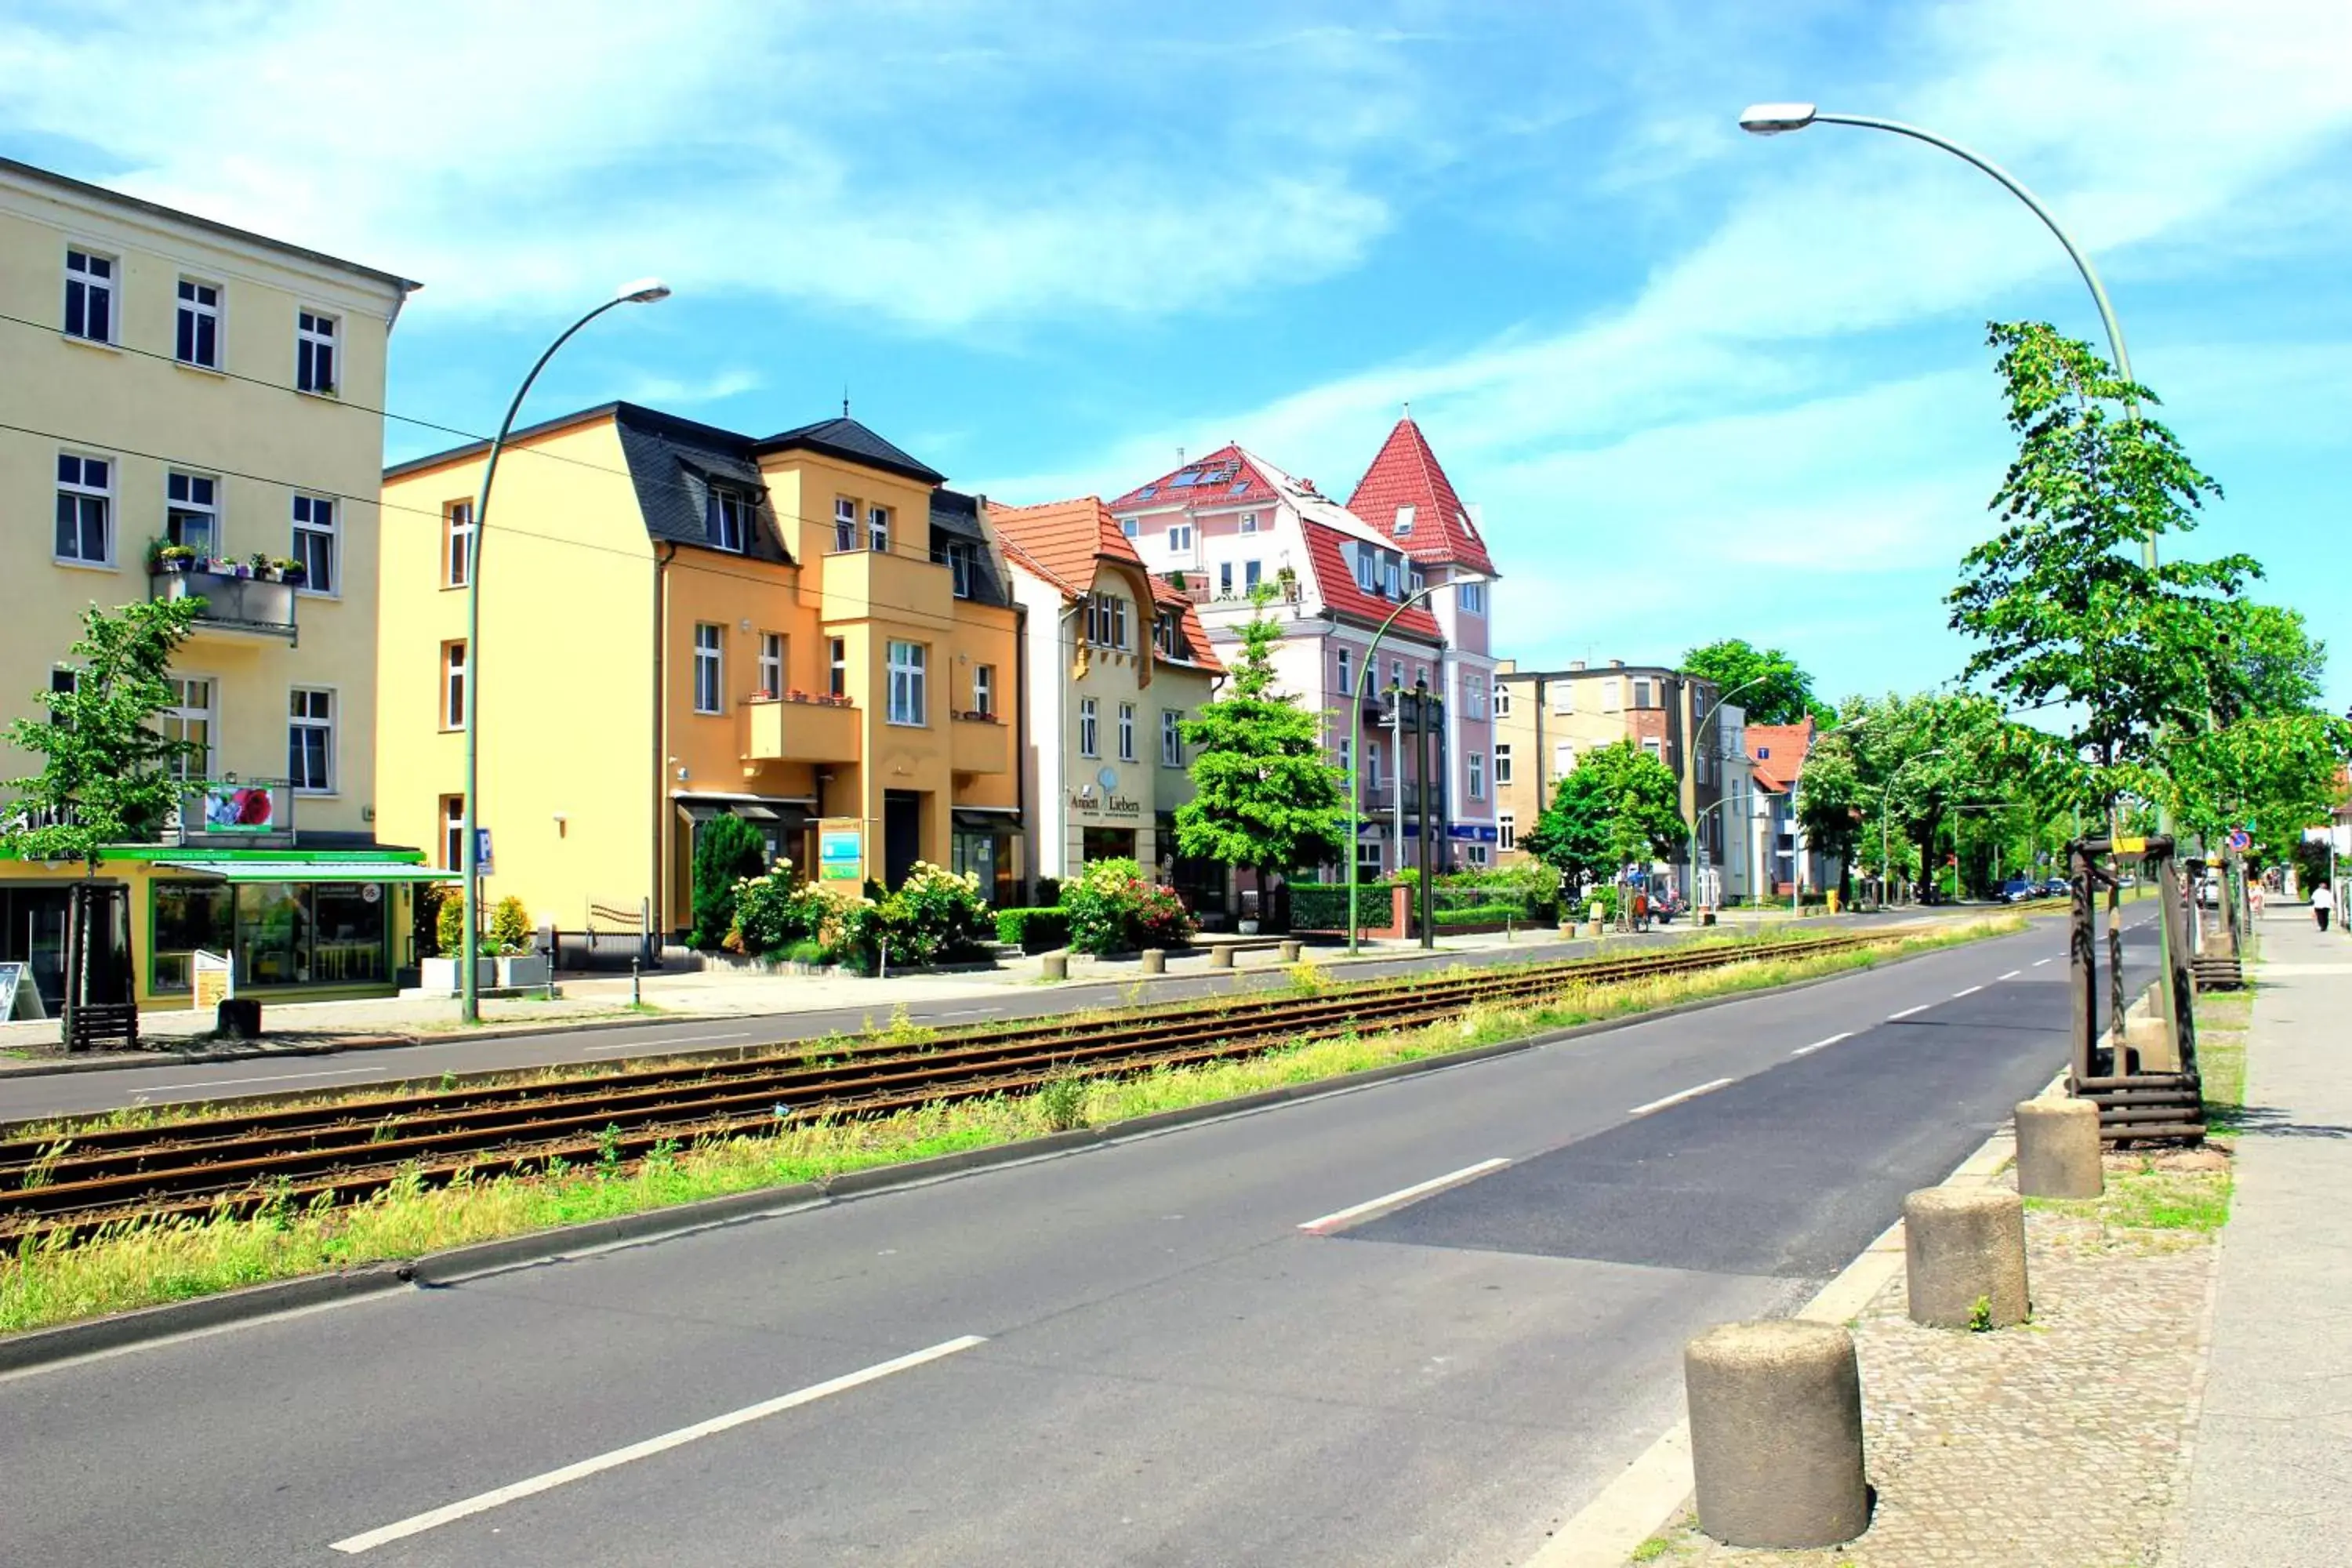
(1227, 523)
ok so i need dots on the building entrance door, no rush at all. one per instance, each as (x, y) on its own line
(902, 835)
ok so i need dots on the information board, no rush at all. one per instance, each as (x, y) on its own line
(213, 979)
(841, 849)
(12, 975)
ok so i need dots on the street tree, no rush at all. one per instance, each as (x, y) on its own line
(108, 776)
(1263, 794)
(1781, 693)
(1618, 805)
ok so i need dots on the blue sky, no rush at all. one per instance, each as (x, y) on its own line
(1701, 384)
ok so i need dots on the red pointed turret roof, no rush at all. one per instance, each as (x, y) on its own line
(1408, 474)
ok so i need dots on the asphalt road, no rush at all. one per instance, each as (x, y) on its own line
(1136, 1353)
(26, 1097)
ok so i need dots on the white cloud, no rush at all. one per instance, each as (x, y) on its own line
(670, 390)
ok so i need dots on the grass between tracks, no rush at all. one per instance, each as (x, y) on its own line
(142, 1265)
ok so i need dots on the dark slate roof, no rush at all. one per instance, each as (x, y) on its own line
(675, 461)
(957, 515)
(848, 439)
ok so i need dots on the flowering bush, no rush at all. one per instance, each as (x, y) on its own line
(935, 917)
(1114, 908)
(774, 911)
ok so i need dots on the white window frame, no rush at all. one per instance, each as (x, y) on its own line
(1477, 768)
(1372, 763)
(1345, 687)
(1090, 728)
(1563, 758)
(1644, 691)
(730, 523)
(1130, 527)
(297, 720)
(1475, 853)
(772, 664)
(1654, 747)
(710, 668)
(105, 286)
(453, 831)
(1248, 523)
(1612, 695)
(1367, 569)
(329, 536)
(1127, 731)
(1502, 764)
(845, 524)
(1470, 598)
(836, 667)
(1252, 574)
(181, 712)
(1179, 537)
(81, 490)
(1392, 577)
(1563, 695)
(877, 530)
(185, 504)
(908, 666)
(458, 535)
(457, 682)
(984, 689)
(1502, 700)
(1404, 515)
(1224, 579)
(192, 313)
(317, 341)
(1507, 832)
(1171, 738)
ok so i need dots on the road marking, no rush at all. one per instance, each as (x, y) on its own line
(1816, 1045)
(1906, 1011)
(1969, 992)
(1403, 1196)
(271, 1078)
(667, 1041)
(417, 1524)
(2040, 962)
(961, 1013)
(1679, 1098)
(2012, 974)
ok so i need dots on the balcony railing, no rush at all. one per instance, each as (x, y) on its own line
(1284, 592)
(1382, 798)
(798, 728)
(254, 605)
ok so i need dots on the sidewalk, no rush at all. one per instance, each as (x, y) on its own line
(2272, 1476)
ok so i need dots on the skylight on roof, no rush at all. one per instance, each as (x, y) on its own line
(1242, 487)
(1189, 477)
(1148, 491)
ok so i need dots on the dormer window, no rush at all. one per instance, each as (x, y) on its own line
(1367, 569)
(1107, 621)
(1164, 635)
(1390, 578)
(1403, 520)
(726, 520)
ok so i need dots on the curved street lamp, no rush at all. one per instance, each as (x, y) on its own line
(1690, 858)
(1355, 700)
(643, 291)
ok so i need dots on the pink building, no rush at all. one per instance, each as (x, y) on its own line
(1231, 521)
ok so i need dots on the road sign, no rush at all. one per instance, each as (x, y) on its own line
(2240, 840)
(2130, 844)
(482, 851)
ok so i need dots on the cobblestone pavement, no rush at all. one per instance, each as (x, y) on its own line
(2058, 1444)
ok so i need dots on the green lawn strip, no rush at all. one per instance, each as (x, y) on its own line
(144, 1264)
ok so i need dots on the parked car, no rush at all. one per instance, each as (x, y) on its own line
(2056, 887)
(2017, 889)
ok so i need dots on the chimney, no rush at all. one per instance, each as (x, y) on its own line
(1616, 664)
(1576, 664)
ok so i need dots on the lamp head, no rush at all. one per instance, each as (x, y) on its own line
(643, 291)
(1772, 119)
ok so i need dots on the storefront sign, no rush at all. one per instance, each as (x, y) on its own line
(1099, 797)
(213, 979)
(249, 809)
(841, 849)
(1472, 831)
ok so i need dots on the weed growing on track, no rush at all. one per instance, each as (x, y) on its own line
(141, 1264)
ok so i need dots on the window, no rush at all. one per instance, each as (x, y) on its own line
(1477, 853)
(1403, 520)
(1166, 634)
(1127, 731)
(836, 658)
(907, 699)
(772, 664)
(197, 341)
(1506, 829)
(453, 685)
(1130, 527)
(1172, 739)
(457, 542)
(706, 688)
(85, 510)
(1473, 698)
(314, 353)
(453, 831)
(1472, 598)
(90, 296)
(1563, 758)
(1106, 620)
(1343, 672)
(1179, 537)
(1090, 730)
(1389, 578)
(1249, 523)
(983, 691)
(314, 544)
(962, 559)
(310, 741)
(845, 524)
(1641, 691)
(1346, 753)
(1563, 697)
(1372, 767)
(1611, 697)
(1249, 576)
(192, 512)
(1502, 700)
(1396, 672)
(1416, 579)
(727, 523)
(1367, 569)
(1653, 746)
(189, 718)
(1477, 761)
(877, 530)
(1224, 579)
(1502, 763)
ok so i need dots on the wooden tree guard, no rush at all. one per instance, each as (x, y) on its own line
(2135, 1105)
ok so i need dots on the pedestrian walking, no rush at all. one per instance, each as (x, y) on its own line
(2323, 904)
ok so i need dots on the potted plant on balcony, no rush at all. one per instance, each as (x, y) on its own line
(285, 569)
(170, 558)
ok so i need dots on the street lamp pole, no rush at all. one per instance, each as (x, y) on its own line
(645, 291)
(1690, 888)
(1355, 700)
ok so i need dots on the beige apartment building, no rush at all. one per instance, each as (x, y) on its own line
(191, 411)
(1545, 720)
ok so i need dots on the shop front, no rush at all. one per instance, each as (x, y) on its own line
(987, 843)
(322, 928)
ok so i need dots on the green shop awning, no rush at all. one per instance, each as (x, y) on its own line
(314, 870)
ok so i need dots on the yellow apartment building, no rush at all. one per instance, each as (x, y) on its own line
(171, 386)
(677, 622)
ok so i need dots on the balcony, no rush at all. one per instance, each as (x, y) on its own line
(248, 606)
(231, 813)
(800, 729)
(1202, 593)
(860, 584)
(979, 746)
(1380, 799)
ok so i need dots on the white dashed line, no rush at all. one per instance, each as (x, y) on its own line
(1679, 1098)
(268, 1078)
(1969, 992)
(2040, 962)
(1906, 1011)
(1332, 1222)
(652, 1047)
(2012, 974)
(1816, 1045)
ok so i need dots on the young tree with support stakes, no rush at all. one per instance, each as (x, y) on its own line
(1263, 794)
(108, 776)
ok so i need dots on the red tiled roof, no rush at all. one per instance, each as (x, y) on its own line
(1231, 479)
(1168, 597)
(1778, 751)
(1059, 542)
(1346, 599)
(1407, 473)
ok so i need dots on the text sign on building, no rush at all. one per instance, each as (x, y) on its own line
(211, 977)
(840, 849)
(232, 808)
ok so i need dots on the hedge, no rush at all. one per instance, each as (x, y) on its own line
(1323, 905)
(1033, 931)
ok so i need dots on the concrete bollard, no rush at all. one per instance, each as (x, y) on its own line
(1058, 965)
(1963, 1247)
(1289, 952)
(1221, 956)
(2058, 1149)
(1776, 1434)
(1155, 960)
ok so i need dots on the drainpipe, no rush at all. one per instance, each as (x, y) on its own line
(661, 749)
(1020, 729)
